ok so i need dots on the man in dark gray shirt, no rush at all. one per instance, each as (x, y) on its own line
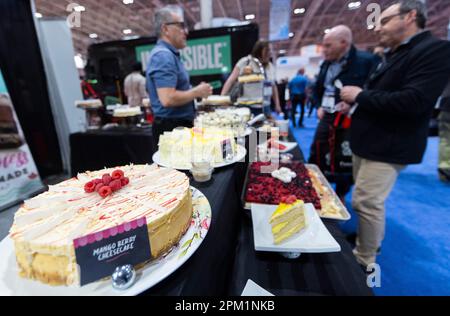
(170, 91)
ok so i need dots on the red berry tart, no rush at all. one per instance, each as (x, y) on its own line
(265, 189)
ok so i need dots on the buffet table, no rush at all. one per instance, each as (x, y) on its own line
(311, 274)
(226, 259)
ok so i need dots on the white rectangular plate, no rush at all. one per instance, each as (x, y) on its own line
(289, 146)
(314, 238)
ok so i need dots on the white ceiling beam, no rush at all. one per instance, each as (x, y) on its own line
(221, 7)
(309, 16)
(241, 12)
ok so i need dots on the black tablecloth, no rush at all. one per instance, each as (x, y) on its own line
(311, 274)
(95, 150)
(226, 258)
(207, 271)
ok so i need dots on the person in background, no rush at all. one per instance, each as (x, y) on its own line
(171, 95)
(134, 86)
(297, 93)
(444, 135)
(343, 63)
(311, 97)
(246, 66)
(391, 115)
(282, 94)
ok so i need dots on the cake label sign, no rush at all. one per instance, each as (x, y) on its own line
(99, 254)
(227, 151)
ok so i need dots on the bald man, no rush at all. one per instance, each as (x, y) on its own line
(347, 66)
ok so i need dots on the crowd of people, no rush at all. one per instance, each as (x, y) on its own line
(373, 109)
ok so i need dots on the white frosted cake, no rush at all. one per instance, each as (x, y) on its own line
(244, 112)
(233, 119)
(89, 104)
(127, 111)
(217, 100)
(44, 227)
(181, 147)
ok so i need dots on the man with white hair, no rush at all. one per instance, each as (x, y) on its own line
(343, 65)
(170, 91)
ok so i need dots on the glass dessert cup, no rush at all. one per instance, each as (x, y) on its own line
(202, 171)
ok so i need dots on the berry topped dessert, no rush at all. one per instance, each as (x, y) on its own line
(269, 184)
(263, 188)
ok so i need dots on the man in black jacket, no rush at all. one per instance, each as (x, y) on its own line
(346, 65)
(391, 115)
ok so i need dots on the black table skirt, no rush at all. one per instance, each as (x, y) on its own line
(311, 274)
(226, 258)
(207, 271)
(98, 149)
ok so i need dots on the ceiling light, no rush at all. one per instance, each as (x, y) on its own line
(354, 5)
(127, 1)
(127, 31)
(299, 11)
(93, 35)
(291, 35)
(79, 8)
(282, 51)
(250, 17)
(38, 15)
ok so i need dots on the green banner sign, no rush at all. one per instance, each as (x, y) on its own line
(205, 56)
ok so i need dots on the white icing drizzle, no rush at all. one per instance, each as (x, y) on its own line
(284, 174)
(66, 212)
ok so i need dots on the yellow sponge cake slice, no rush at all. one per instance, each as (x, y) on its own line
(287, 220)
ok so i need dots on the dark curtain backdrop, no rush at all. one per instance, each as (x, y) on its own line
(23, 70)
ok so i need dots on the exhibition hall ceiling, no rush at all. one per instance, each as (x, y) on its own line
(105, 20)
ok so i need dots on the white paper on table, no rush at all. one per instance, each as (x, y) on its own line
(253, 289)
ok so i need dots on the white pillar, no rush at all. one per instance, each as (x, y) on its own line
(206, 10)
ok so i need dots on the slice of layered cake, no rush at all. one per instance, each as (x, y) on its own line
(182, 146)
(288, 219)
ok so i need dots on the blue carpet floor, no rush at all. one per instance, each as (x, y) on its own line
(415, 257)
